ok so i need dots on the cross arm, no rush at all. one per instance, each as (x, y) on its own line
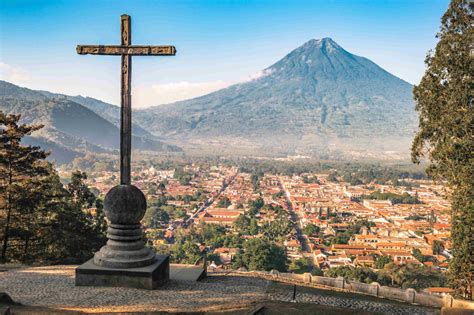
(126, 50)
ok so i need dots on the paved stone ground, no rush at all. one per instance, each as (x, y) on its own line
(356, 304)
(53, 287)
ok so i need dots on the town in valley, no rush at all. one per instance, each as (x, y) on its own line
(326, 222)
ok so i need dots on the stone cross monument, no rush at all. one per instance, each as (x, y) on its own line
(124, 260)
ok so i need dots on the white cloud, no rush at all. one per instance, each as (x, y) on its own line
(13, 74)
(157, 94)
(256, 75)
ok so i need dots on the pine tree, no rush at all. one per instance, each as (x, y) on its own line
(20, 167)
(42, 220)
(444, 100)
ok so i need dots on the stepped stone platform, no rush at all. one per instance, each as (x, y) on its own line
(51, 289)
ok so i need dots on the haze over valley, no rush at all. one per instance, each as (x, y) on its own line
(319, 100)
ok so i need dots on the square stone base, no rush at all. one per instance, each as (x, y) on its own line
(148, 277)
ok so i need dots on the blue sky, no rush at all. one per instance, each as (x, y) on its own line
(218, 42)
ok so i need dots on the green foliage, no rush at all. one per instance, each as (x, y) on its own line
(301, 265)
(310, 180)
(361, 274)
(415, 217)
(277, 229)
(253, 227)
(232, 241)
(341, 238)
(212, 235)
(413, 276)
(42, 220)
(246, 226)
(351, 179)
(255, 179)
(224, 203)
(394, 198)
(242, 224)
(311, 229)
(418, 255)
(317, 272)
(81, 194)
(355, 227)
(261, 254)
(20, 166)
(180, 213)
(258, 203)
(364, 274)
(381, 261)
(437, 247)
(444, 101)
(156, 217)
(332, 177)
(183, 177)
(185, 253)
(214, 258)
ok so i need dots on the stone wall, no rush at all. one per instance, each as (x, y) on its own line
(374, 289)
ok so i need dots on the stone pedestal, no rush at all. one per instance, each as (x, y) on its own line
(124, 260)
(149, 277)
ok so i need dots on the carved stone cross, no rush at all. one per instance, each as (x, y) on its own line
(126, 50)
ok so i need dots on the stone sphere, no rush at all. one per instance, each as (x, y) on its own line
(125, 204)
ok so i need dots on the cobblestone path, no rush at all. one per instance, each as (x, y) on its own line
(383, 307)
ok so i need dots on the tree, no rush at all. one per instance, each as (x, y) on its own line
(186, 253)
(341, 238)
(212, 235)
(253, 227)
(152, 190)
(183, 177)
(382, 261)
(277, 229)
(81, 194)
(81, 232)
(242, 224)
(317, 272)
(412, 276)
(224, 203)
(301, 265)
(180, 213)
(311, 229)
(437, 247)
(100, 224)
(261, 254)
(156, 217)
(162, 187)
(43, 220)
(444, 101)
(361, 274)
(258, 203)
(418, 255)
(20, 167)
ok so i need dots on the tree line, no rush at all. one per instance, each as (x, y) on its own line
(43, 220)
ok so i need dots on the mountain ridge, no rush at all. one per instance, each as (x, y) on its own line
(70, 129)
(319, 97)
(318, 100)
